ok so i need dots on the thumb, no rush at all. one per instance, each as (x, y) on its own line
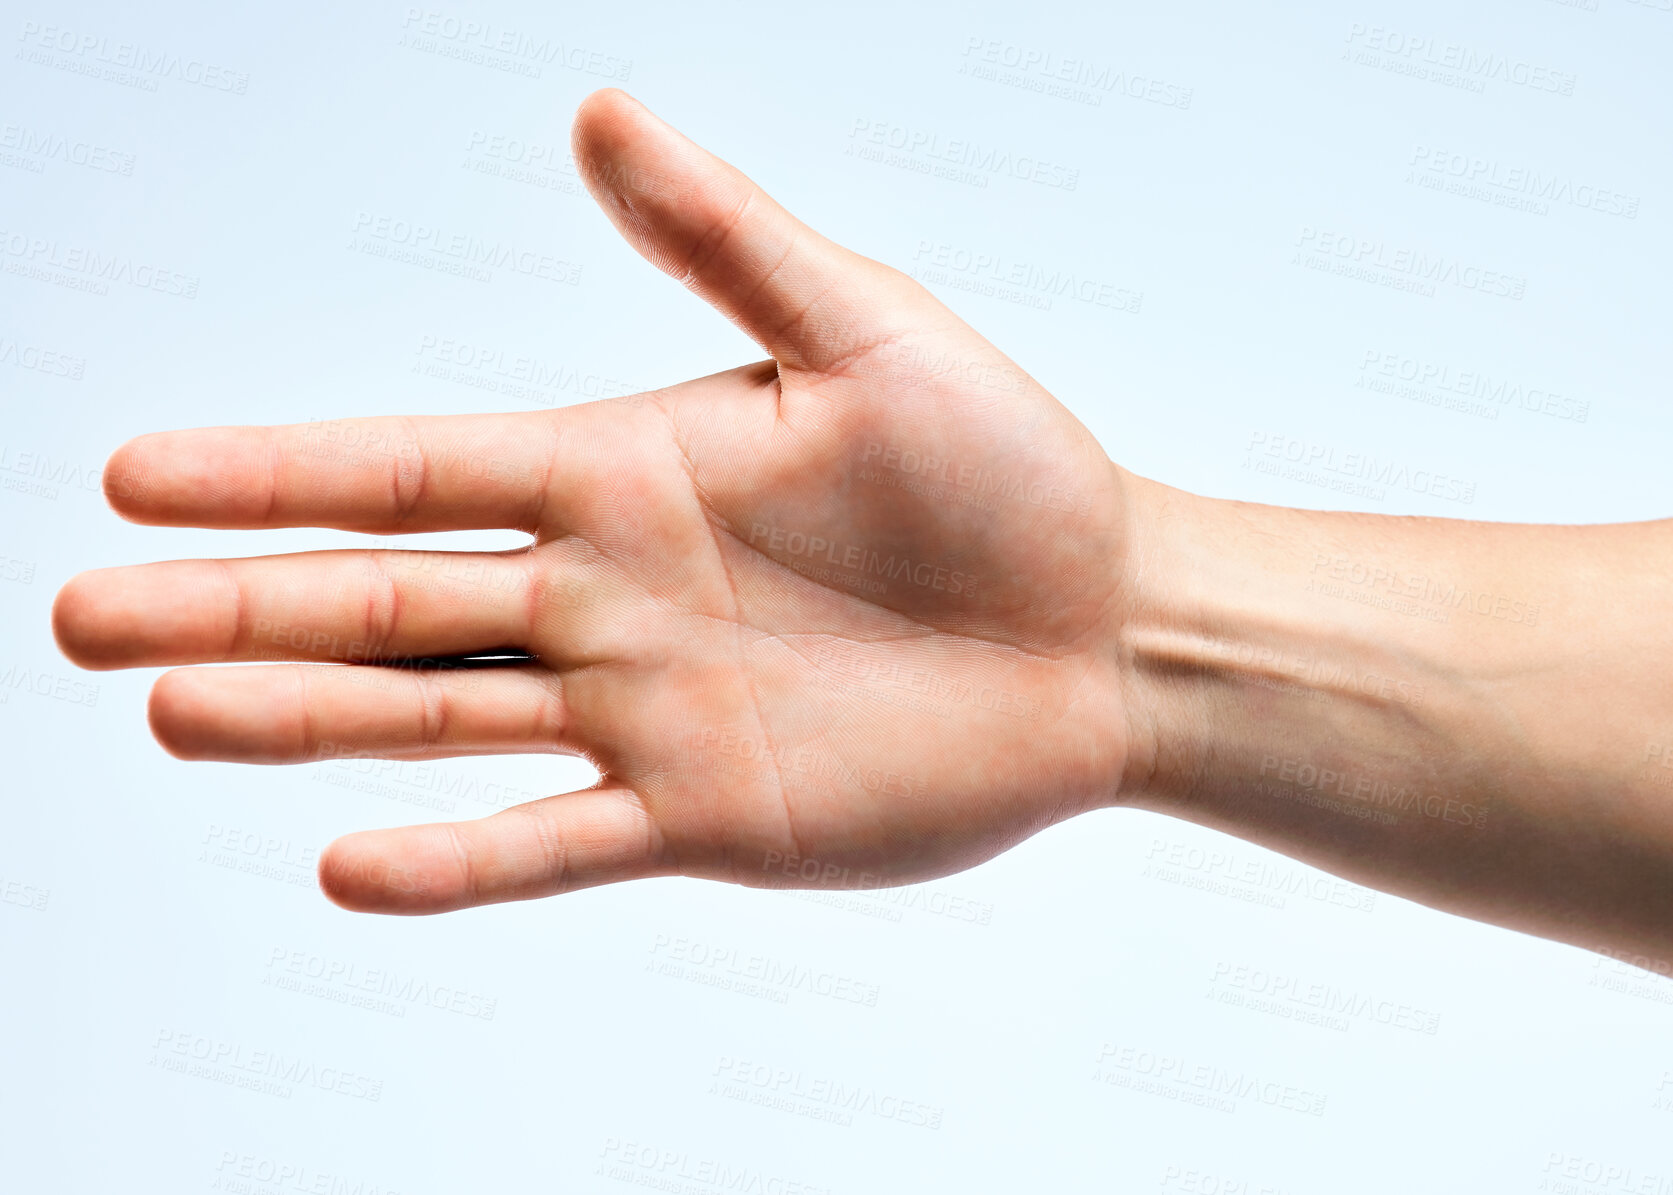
(809, 302)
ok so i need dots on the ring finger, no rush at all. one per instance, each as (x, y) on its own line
(303, 713)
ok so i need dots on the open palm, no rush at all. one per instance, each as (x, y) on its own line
(842, 617)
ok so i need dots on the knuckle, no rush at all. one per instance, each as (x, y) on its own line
(383, 609)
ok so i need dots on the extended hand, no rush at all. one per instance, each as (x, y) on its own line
(841, 617)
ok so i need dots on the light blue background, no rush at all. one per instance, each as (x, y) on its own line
(121, 929)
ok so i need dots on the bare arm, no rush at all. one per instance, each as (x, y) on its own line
(1476, 716)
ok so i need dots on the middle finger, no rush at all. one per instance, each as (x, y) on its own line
(351, 606)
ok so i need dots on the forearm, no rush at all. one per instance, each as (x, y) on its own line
(1472, 715)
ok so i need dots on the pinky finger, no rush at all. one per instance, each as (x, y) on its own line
(559, 844)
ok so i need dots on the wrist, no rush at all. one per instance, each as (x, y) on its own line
(1149, 648)
(1238, 662)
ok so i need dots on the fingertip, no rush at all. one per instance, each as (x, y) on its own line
(75, 622)
(202, 476)
(361, 873)
(600, 113)
(703, 222)
(334, 876)
(603, 100)
(625, 153)
(175, 712)
(128, 477)
(592, 116)
(67, 606)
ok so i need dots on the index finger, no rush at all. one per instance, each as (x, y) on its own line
(382, 475)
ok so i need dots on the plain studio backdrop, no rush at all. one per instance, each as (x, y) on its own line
(1251, 247)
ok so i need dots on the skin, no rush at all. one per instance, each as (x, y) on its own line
(877, 608)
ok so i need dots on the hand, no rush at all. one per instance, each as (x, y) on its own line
(842, 617)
